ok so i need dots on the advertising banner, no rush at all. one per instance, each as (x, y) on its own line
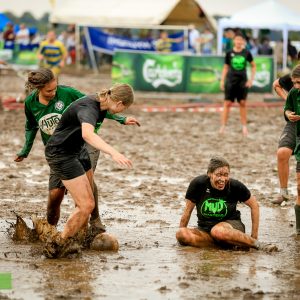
(179, 73)
(108, 43)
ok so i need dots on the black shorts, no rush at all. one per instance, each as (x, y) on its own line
(237, 91)
(55, 181)
(288, 136)
(68, 166)
(236, 224)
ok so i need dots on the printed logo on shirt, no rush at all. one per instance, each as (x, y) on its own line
(214, 208)
(49, 122)
(238, 62)
(59, 105)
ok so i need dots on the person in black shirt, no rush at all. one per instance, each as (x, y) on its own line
(68, 157)
(235, 82)
(215, 196)
(287, 140)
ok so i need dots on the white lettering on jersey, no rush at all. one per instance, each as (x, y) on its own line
(49, 122)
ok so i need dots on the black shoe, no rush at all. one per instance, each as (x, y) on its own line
(97, 225)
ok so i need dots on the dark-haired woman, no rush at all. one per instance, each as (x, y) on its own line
(215, 196)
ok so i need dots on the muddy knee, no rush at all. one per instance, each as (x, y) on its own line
(284, 154)
(218, 233)
(182, 236)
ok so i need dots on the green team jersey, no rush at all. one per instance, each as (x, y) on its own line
(293, 104)
(46, 117)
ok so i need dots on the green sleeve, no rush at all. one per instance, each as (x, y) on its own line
(31, 128)
(120, 119)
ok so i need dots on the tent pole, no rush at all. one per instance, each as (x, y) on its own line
(285, 35)
(90, 49)
(219, 37)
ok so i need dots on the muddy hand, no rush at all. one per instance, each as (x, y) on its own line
(121, 160)
(19, 158)
(132, 121)
(293, 117)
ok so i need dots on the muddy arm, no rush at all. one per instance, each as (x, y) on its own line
(253, 204)
(185, 218)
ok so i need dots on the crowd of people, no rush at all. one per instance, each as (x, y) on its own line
(19, 38)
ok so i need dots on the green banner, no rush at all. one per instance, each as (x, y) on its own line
(25, 58)
(180, 73)
(203, 74)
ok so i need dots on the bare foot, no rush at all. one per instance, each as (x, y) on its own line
(222, 129)
(245, 131)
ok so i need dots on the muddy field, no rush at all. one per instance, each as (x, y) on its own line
(142, 207)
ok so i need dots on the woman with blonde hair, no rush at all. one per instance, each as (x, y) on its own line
(68, 158)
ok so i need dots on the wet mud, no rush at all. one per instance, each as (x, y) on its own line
(142, 207)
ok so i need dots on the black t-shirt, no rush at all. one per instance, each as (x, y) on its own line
(67, 137)
(286, 82)
(237, 62)
(214, 206)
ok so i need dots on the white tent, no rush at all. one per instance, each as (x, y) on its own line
(266, 15)
(125, 13)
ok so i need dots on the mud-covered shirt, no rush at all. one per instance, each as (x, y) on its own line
(237, 62)
(46, 117)
(214, 206)
(67, 137)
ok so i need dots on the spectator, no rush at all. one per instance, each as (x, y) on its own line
(206, 41)
(292, 53)
(194, 36)
(164, 43)
(23, 37)
(253, 46)
(9, 37)
(228, 40)
(265, 48)
(52, 53)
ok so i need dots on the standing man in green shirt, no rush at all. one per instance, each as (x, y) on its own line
(43, 109)
(292, 114)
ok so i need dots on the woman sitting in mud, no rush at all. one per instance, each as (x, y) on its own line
(69, 159)
(215, 196)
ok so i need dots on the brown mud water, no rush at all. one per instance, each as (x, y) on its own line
(142, 208)
(46, 233)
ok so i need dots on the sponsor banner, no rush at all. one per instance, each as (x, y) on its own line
(108, 43)
(179, 73)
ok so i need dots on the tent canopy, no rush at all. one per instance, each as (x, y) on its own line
(129, 13)
(221, 8)
(266, 15)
